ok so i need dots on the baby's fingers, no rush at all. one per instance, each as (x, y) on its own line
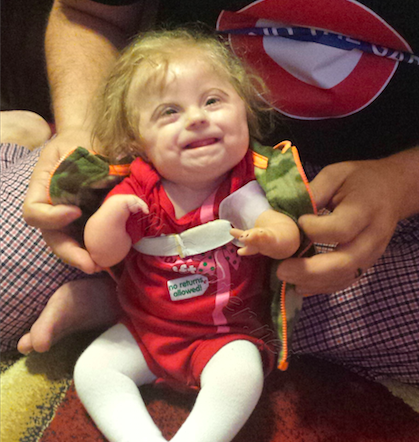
(247, 250)
(237, 233)
(136, 205)
(245, 237)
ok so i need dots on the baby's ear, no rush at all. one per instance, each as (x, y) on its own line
(137, 149)
(143, 153)
(144, 156)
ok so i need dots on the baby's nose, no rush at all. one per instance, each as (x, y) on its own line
(196, 117)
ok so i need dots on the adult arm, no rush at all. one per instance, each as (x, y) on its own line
(83, 39)
(367, 199)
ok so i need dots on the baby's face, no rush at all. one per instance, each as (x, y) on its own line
(194, 129)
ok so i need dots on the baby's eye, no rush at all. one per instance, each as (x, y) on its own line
(168, 112)
(212, 100)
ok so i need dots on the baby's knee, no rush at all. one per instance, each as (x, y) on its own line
(253, 373)
(239, 362)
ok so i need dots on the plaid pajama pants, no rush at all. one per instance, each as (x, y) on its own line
(372, 327)
(30, 272)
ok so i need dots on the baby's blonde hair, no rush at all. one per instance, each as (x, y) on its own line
(116, 127)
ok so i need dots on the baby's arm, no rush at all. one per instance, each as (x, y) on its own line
(105, 235)
(275, 235)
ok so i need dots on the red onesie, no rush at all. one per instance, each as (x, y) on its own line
(182, 311)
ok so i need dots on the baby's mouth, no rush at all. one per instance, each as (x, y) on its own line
(201, 143)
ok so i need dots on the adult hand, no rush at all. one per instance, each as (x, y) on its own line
(82, 41)
(366, 199)
(52, 220)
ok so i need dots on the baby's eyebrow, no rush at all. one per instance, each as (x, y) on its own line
(218, 90)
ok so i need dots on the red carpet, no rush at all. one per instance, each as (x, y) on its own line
(313, 401)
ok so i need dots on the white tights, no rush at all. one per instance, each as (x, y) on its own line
(109, 372)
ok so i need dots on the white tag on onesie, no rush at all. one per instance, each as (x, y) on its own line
(189, 286)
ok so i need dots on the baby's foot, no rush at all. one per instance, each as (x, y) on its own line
(78, 305)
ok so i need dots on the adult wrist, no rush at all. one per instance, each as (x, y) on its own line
(405, 170)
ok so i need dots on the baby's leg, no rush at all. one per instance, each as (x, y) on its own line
(106, 378)
(231, 385)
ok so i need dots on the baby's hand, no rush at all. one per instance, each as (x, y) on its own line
(135, 204)
(105, 234)
(257, 240)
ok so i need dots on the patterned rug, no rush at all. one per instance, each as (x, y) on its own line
(314, 401)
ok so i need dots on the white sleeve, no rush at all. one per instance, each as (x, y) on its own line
(244, 206)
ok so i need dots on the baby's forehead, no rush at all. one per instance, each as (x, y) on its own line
(156, 76)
